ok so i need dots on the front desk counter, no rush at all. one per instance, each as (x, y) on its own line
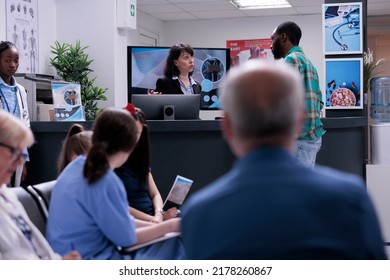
(195, 149)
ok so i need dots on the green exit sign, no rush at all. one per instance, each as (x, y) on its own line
(132, 10)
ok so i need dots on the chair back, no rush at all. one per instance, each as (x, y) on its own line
(44, 190)
(32, 209)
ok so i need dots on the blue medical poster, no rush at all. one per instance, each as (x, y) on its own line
(67, 102)
(342, 29)
(343, 83)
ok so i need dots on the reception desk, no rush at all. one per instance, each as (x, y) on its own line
(195, 149)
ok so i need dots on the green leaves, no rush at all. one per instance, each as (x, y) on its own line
(369, 68)
(73, 65)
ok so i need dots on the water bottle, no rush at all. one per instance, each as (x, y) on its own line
(380, 99)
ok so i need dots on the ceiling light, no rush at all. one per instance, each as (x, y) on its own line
(260, 4)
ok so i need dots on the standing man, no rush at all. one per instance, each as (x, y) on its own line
(269, 206)
(285, 41)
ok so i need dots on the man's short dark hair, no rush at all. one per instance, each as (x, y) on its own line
(292, 30)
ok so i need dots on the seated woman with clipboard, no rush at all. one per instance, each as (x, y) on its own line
(142, 193)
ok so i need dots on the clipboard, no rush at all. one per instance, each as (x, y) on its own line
(179, 190)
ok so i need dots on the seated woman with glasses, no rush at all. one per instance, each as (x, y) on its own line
(142, 193)
(19, 238)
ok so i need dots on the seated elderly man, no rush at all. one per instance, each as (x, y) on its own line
(270, 206)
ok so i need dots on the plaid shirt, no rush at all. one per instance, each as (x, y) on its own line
(313, 127)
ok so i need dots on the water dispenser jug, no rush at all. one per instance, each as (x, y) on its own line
(380, 99)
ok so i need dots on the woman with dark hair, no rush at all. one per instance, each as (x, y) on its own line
(178, 72)
(88, 206)
(142, 193)
(77, 142)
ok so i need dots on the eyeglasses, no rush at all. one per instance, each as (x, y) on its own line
(16, 153)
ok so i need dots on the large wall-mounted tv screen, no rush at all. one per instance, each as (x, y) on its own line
(146, 65)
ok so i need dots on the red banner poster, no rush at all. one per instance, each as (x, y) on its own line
(242, 50)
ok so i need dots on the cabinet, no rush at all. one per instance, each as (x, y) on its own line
(378, 186)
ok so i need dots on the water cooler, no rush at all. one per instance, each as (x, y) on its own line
(380, 113)
(378, 172)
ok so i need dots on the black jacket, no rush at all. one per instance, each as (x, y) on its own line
(167, 85)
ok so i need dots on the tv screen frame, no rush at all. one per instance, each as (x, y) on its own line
(168, 106)
(145, 64)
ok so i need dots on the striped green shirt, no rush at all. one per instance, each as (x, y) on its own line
(313, 127)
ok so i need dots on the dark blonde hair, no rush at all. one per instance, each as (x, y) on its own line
(114, 131)
(14, 130)
(77, 142)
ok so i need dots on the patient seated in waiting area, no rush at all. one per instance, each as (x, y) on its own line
(89, 208)
(77, 142)
(19, 237)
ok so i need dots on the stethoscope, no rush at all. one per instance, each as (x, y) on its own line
(352, 24)
(5, 105)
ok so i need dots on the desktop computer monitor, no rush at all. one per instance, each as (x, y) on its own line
(168, 106)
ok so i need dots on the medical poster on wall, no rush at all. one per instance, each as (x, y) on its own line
(343, 83)
(342, 31)
(22, 30)
(67, 102)
(243, 50)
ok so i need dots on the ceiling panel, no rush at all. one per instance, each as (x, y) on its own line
(196, 1)
(167, 10)
(175, 16)
(156, 9)
(210, 6)
(270, 12)
(219, 14)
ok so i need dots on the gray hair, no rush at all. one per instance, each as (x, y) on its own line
(263, 99)
(13, 130)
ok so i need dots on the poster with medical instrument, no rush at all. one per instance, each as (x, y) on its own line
(22, 30)
(342, 29)
(343, 83)
(243, 50)
(67, 102)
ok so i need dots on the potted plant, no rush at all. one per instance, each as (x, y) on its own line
(369, 68)
(73, 65)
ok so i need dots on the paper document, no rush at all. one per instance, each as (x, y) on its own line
(178, 192)
(162, 238)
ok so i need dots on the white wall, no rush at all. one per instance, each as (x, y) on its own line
(3, 30)
(214, 33)
(47, 21)
(149, 26)
(94, 24)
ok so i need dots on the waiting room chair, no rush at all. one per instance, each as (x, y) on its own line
(44, 191)
(33, 211)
